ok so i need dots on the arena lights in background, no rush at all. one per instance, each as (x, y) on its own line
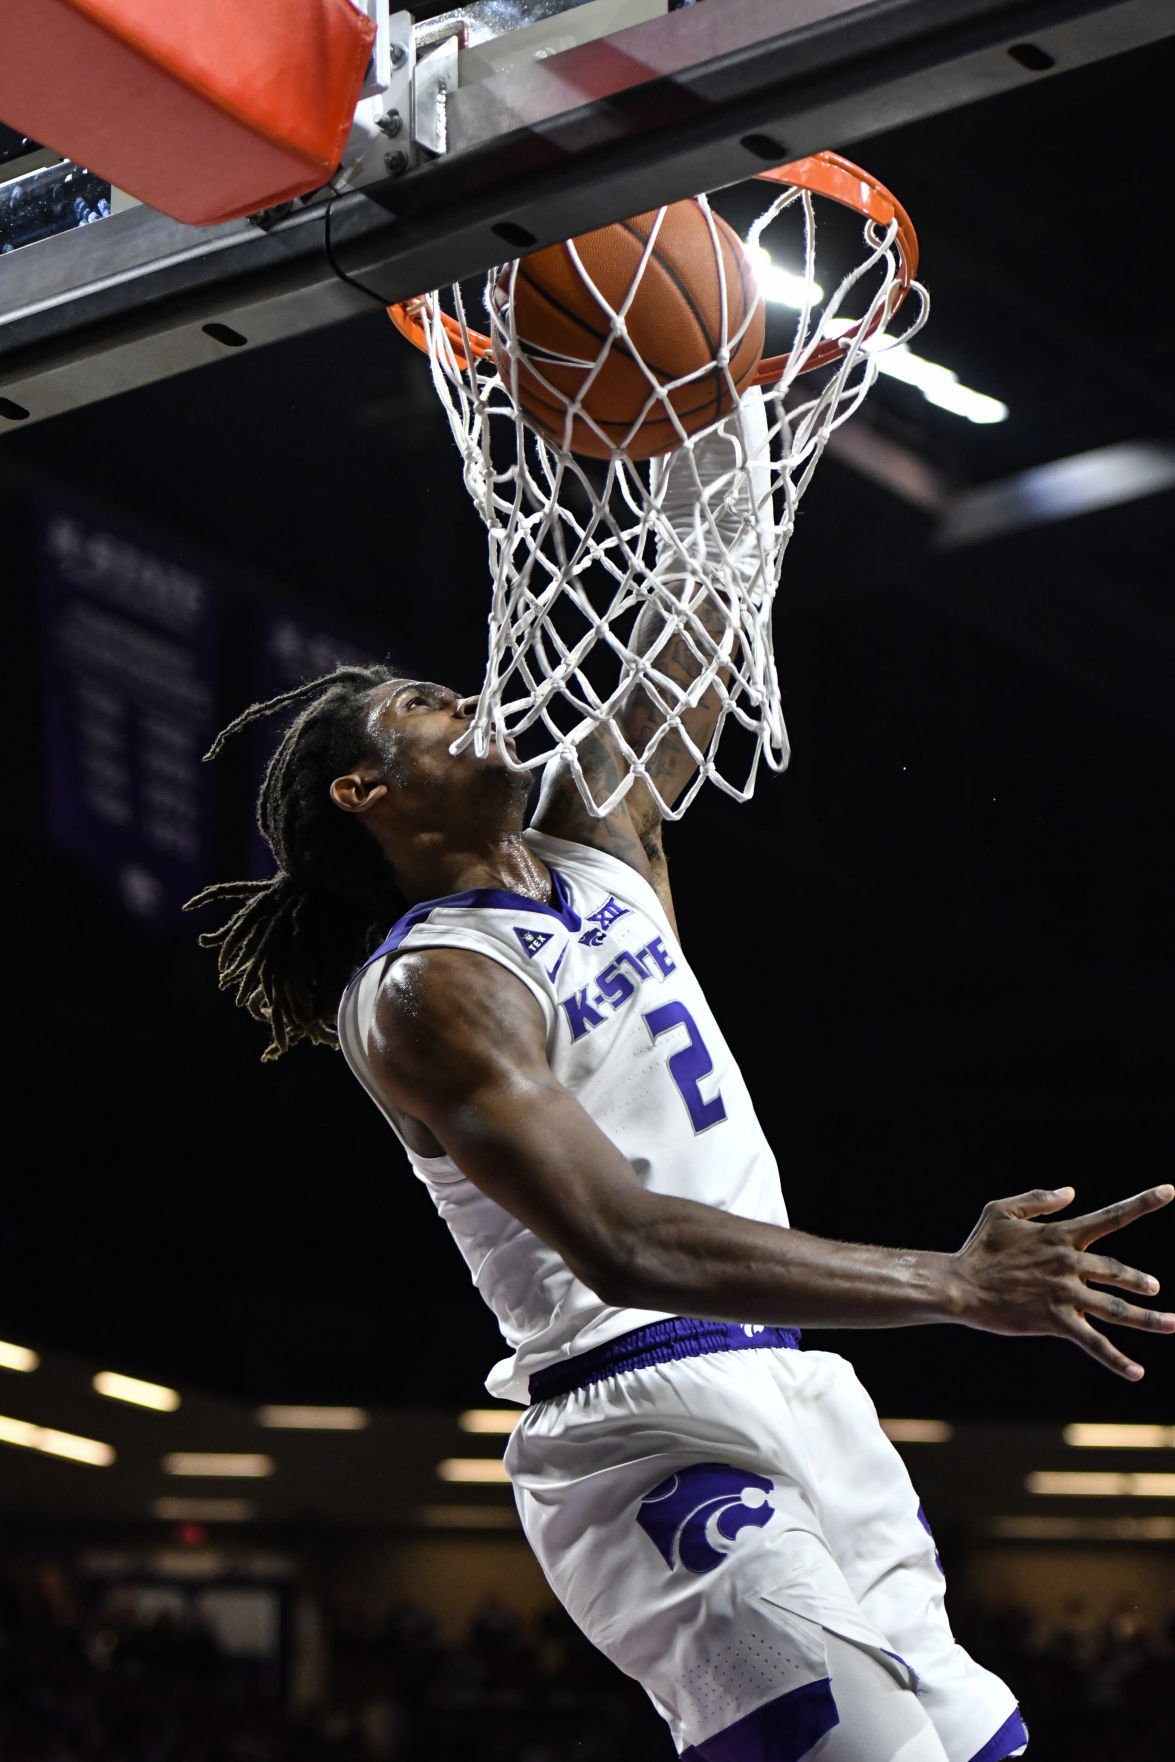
(138, 1393)
(938, 385)
(1083, 1529)
(52, 1443)
(203, 1510)
(783, 287)
(1096, 1436)
(17, 1357)
(474, 1470)
(218, 1463)
(314, 1419)
(467, 1517)
(918, 1431)
(490, 1419)
(1077, 1484)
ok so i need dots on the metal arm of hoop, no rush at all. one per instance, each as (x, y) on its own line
(825, 174)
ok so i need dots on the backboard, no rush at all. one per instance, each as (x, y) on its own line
(484, 130)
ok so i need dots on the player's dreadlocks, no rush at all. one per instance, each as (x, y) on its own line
(288, 951)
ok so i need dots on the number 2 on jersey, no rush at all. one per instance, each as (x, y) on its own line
(688, 1066)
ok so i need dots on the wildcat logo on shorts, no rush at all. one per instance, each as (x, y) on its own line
(689, 1516)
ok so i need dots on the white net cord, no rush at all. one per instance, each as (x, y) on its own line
(637, 598)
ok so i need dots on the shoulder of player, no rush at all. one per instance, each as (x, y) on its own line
(446, 1017)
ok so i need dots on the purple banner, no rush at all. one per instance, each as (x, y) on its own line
(131, 642)
(290, 648)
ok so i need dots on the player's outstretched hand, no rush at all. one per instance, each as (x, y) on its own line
(1020, 1277)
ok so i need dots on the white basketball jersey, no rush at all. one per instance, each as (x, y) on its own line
(630, 1034)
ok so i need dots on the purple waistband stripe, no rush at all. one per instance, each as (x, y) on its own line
(658, 1343)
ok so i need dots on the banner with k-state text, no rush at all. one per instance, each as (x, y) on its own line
(131, 641)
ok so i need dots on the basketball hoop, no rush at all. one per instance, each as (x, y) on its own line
(824, 174)
(690, 543)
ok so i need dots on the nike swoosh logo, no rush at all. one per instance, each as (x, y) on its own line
(551, 971)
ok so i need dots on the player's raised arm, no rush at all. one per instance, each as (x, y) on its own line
(713, 523)
(708, 524)
(459, 1045)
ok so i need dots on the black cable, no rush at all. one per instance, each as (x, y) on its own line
(334, 263)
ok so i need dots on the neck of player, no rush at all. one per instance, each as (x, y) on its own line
(433, 864)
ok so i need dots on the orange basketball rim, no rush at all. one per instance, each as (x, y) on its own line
(824, 174)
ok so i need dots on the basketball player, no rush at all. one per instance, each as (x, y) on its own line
(718, 1509)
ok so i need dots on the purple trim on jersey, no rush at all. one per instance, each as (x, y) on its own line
(492, 898)
(782, 1731)
(658, 1343)
(898, 1659)
(1012, 1735)
(925, 1522)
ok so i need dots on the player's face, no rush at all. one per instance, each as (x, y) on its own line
(416, 722)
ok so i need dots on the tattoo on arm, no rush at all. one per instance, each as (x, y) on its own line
(564, 812)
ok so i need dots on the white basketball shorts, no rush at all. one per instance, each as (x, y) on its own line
(706, 1501)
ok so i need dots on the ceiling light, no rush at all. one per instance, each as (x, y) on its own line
(490, 1419)
(783, 287)
(314, 1419)
(918, 1431)
(473, 1469)
(52, 1443)
(468, 1517)
(17, 1357)
(1101, 1485)
(939, 385)
(1092, 1436)
(1103, 477)
(120, 1388)
(207, 1462)
(203, 1510)
(1083, 1529)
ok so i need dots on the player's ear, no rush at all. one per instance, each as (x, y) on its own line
(355, 793)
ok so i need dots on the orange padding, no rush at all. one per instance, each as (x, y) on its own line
(205, 109)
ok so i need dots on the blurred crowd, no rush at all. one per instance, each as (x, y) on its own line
(1093, 1686)
(85, 1676)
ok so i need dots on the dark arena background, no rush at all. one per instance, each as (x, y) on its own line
(941, 947)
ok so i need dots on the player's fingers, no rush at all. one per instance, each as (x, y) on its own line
(1034, 1204)
(1083, 1230)
(1103, 1269)
(1128, 1315)
(1103, 1350)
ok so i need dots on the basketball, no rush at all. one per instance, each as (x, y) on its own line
(665, 359)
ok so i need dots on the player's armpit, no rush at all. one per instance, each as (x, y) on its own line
(459, 1044)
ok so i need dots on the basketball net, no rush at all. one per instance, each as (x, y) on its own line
(620, 587)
